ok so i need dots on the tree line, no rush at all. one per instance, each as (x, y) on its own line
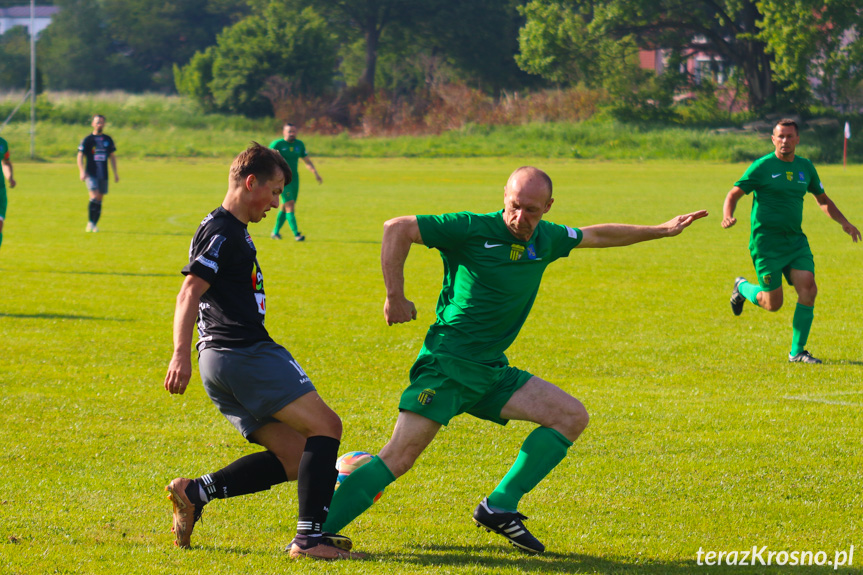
(248, 56)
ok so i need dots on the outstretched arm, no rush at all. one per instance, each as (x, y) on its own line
(399, 234)
(828, 207)
(730, 205)
(614, 235)
(180, 368)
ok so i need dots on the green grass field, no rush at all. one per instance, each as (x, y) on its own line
(702, 435)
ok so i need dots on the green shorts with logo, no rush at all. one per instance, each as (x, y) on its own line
(443, 386)
(291, 191)
(778, 256)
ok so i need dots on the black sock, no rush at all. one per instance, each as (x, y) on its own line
(249, 474)
(95, 210)
(315, 483)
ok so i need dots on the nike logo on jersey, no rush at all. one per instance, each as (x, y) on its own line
(774, 176)
(488, 245)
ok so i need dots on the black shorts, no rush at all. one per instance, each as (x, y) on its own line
(250, 384)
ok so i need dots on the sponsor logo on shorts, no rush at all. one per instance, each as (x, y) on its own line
(515, 252)
(766, 279)
(426, 396)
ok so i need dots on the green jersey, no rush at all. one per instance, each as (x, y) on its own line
(490, 280)
(291, 152)
(4, 155)
(779, 188)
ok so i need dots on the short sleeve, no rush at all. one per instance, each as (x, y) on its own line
(111, 147)
(749, 181)
(564, 239)
(445, 231)
(208, 252)
(82, 147)
(816, 187)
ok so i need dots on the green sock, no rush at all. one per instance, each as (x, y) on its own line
(801, 325)
(292, 221)
(541, 451)
(280, 221)
(750, 291)
(357, 493)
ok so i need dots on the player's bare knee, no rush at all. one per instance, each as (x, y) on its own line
(579, 419)
(571, 420)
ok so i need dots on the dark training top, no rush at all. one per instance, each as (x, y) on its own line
(231, 312)
(97, 148)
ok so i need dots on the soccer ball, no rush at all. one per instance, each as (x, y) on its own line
(350, 462)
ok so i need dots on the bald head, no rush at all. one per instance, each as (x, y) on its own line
(526, 198)
(529, 177)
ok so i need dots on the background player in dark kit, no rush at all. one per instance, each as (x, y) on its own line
(97, 149)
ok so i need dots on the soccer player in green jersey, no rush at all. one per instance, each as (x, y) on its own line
(493, 265)
(8, 173)
(778, 182)
(291, 150)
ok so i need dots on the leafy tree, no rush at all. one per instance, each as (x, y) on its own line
(817, 39)
(369, 19)
(76, 51)
(156, 34)
(729, 28)
(15, 63)
(282, 41)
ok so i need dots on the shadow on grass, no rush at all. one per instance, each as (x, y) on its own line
(841, 362)
(59, 316)
(120, 233)
(551, 562)
(93, 273)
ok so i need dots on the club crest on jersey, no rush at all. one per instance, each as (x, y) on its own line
(790, 176)
(426, 396)
(515, 252)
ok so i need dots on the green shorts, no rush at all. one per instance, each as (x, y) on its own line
(443, 386)
(771, 264)
(3, 200)
(290, 193)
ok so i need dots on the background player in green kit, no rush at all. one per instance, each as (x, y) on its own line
(8, 174)
(493, 265)
(291, 150)
(779, 181)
